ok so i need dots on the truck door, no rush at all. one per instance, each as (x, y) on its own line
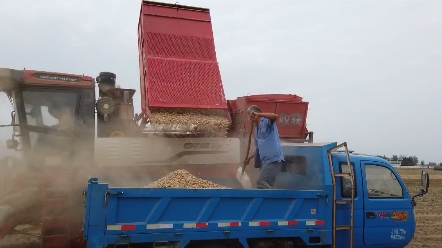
(343, 211)
(387, 206)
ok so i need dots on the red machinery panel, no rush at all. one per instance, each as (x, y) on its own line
(291, 110)
(178, 63)
(10, 77)
(57, 79)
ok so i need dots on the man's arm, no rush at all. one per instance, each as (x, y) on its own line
(271, 116)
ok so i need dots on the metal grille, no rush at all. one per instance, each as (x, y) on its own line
(180, 68)
(184, 84)
(180, 46)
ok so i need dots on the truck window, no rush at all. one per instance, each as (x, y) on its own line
(346, 182)
(54, 109)
(382, 183)
(50, 109)
(296, 175)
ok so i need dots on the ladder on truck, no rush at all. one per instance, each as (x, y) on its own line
(350, 202)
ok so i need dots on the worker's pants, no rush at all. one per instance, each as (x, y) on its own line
(267, 175)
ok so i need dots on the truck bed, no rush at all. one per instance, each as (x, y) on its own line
(143, 215)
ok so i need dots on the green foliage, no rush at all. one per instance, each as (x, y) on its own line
(409, 161)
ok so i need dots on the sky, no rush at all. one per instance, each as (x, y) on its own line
(371, 71)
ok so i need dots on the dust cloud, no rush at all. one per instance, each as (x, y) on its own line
(16, 205)
(30, 177)
(137, 164)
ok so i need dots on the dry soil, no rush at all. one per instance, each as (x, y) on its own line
(428, 209)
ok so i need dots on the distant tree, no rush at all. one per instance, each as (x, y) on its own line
(422, 162)
(440, 164)
(395, 158)
(415, 160)
(409, 161)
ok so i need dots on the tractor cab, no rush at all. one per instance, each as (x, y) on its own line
(53, 116)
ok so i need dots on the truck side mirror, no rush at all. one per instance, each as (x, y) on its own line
(425, 178)
(12, 144)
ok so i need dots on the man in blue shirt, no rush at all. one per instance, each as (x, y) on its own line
(268, 154)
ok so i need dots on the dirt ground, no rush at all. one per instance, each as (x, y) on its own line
(429, 219)
(428, 214)
(23, 236)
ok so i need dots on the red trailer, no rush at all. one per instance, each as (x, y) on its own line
(291, 110)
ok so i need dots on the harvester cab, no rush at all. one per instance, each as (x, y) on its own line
(53, 128)
(51, 114)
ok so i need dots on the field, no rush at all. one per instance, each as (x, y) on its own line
(429, 220)
(428, 217)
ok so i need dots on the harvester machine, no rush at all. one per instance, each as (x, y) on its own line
(66, 133)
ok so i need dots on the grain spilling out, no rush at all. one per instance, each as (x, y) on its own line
(182, 179)
(213, 122)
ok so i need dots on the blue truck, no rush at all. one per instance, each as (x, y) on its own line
(312, 205)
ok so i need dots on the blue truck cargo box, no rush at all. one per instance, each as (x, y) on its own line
(118, 215)
(139, 215)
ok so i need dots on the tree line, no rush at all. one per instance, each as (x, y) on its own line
(408, 160)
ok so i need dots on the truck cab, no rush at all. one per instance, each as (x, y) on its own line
(383, 207)
(52, 112)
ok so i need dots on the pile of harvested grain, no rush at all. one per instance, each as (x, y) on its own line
(182, 179)
(188, 120)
